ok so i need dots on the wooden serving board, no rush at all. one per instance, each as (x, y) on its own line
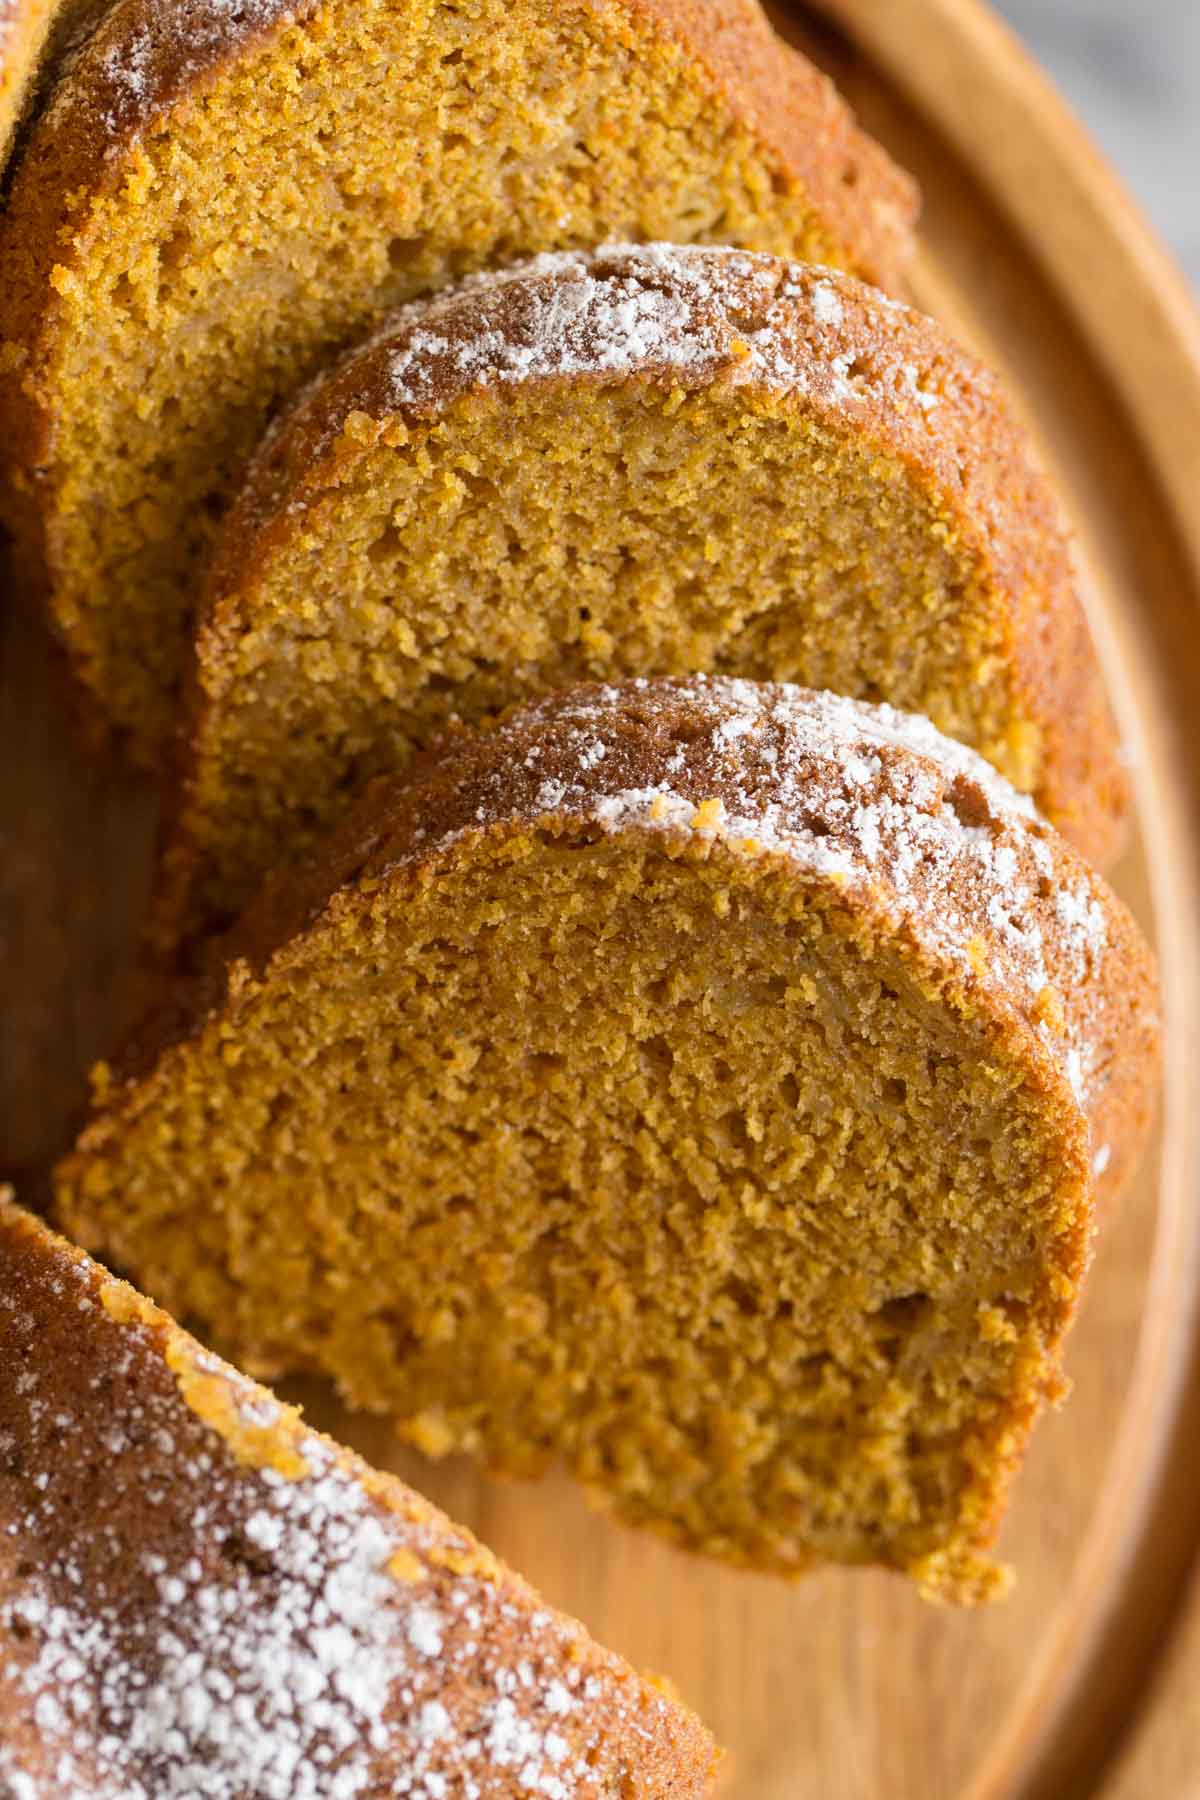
(848, 1687)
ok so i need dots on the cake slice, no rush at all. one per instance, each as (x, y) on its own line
(221, 195)
(640, 461)
(199, 1595)
(703, 1082)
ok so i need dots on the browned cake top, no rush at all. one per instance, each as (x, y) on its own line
(695, 310)
(691, 313)
(198, 1595)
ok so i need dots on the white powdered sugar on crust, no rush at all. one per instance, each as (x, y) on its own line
(695, 311)
(244, 1633)
(135, 60)
(873, 800)
(827, 308)
(127, 61)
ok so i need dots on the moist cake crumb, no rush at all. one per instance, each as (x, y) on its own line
(640, 460)
(698, 1081)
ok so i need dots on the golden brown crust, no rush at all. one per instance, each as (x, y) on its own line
(913, 394)
(156, 1506)
(755, 321)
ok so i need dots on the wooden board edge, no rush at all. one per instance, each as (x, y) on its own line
(967, 73)
(973, 78)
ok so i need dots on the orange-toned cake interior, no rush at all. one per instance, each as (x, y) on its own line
(700, 1082)
(215, 202)
(645, 461)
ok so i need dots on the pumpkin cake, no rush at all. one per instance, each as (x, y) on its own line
(705, 1083)
(219, 196)
(199, 1595)
(638, 461)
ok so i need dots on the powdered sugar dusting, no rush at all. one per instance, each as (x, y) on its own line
(265, 1641)
(127, 63)
(869, 798)
(827, 308)
(127, 69)
(695, 311)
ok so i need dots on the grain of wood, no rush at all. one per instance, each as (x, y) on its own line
(1162, 1761)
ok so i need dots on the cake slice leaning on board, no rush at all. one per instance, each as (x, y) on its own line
(706, 1083)
(640, 461)
(199, 1595)
(217, 197)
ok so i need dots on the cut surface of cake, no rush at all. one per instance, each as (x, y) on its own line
(218, 197)
(701, 1082)
(201, 1596)
(640, 461)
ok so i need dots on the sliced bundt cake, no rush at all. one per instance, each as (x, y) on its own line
(702, 1082)
(200, 1596)
(634, 462)
(219, 196)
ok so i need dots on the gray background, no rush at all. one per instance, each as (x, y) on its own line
(1131, 70)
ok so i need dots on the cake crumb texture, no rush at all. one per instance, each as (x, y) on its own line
(700, 1082)
(631, 462)
(218, 197)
